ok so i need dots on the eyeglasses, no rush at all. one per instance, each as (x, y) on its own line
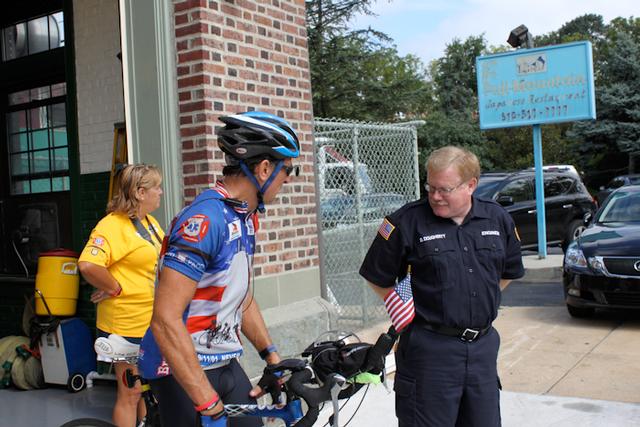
(289, 169)
(444, 191)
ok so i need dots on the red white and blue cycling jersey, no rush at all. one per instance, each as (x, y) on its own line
(211, 241)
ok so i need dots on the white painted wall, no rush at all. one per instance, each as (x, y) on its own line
(98, 81)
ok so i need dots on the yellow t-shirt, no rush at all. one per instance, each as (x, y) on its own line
(133, 262)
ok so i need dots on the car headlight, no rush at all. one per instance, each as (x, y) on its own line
(574, 257)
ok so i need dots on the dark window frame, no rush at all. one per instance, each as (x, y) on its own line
(53, 172)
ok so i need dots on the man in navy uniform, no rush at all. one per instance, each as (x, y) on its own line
(461, 251)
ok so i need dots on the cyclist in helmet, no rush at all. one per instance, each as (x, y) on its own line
(203, 293)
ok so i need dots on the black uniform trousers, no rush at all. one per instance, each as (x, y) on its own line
(442, 381)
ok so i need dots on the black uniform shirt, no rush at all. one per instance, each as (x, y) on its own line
(455, 269)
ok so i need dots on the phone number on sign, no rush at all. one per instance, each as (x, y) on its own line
(535, 113)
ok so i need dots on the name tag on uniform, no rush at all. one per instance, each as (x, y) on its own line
(432, 237)
(490, 233)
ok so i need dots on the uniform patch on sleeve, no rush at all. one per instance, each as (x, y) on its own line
(195, 228)
(98, 241)
(386, 228)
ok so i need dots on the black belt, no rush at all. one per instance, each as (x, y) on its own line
(465, 334)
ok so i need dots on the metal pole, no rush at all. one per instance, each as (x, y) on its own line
(317, 149)
(358, 195)
(416, 162)
(540, 211)
(537, 161)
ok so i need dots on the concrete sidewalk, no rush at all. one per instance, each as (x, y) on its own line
(547, 269)
(518, 409)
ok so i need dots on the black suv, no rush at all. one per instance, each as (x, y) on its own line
(566, 202)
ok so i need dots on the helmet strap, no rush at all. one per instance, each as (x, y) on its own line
(263, 189)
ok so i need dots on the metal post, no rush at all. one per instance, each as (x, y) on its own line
(537, 161)
(356, 166)
(540, 211)
(416, 163)
(317, 149)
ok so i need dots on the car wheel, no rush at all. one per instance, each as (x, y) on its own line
(580, 312)
(574, 231)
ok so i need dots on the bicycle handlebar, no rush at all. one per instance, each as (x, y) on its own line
(313, 396)
(301, 385)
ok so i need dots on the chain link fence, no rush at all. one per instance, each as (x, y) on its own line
(364, 171)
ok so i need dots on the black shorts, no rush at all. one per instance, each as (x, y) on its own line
(176, 408)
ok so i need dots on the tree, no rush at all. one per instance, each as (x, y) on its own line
(617, 128)
(358, 74)
(454, 75)
(452, 119)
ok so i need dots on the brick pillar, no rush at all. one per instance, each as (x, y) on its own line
(239, 55)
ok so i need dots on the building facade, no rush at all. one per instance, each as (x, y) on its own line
(73, 70)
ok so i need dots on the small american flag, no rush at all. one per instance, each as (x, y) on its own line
(399, 303)
(386, 228)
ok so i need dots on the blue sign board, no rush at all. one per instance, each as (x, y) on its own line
(544, 85)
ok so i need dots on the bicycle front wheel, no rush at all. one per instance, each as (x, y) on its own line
(87, 422)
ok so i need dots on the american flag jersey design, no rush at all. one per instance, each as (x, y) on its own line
(399, 303)
(220, 262)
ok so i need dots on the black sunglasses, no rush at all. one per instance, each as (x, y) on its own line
(289, 169)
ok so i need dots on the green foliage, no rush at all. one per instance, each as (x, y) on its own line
(454, 75)
(617, 128)
(359, 74)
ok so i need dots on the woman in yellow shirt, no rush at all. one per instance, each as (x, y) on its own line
(120, 260)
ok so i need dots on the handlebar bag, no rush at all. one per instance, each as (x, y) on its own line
(337, 357)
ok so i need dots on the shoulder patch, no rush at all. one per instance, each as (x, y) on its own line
(195, 228)
(386, 228)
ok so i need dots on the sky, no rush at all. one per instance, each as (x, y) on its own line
(424, 27)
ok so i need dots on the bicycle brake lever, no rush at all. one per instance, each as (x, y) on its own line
(338, 382)
(385, 383)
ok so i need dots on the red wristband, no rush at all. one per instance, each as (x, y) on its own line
(209, 405)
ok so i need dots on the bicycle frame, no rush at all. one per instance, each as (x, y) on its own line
(289, 413)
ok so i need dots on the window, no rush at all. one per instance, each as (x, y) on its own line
(37, 140)
(32, 36)
(557, 185)
(519, 190)
(616, 183)
(622, 207)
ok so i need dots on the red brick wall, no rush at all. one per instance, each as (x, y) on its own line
(237, 54)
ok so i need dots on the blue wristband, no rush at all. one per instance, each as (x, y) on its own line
(267, 351)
